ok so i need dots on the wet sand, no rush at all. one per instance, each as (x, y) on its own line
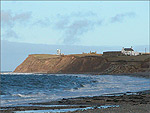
(129, 102)
(126, 108)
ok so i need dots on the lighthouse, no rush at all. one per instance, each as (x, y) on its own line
(58, 52)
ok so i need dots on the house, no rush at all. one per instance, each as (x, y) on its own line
(123, 52)
(129, 52)
(90, 52)
(93, 52)
(112, 53)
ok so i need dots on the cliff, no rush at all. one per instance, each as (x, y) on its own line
(45, 63)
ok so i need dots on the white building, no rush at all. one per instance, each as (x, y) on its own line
(129, 51)
(58, 52)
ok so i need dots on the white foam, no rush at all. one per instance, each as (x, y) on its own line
(12, 73)
(64, 110)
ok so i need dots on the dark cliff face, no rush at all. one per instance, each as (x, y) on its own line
(61, 64)
(86, 65)
(83, 64)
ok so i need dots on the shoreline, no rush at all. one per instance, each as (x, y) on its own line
(136, 74)
(128, 101)
(124, 101)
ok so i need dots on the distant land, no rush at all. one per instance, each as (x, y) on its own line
(14, 53)
(84, 63)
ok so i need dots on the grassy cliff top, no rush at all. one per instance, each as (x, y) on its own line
(128, 58)
(44, 56)
(110, 58)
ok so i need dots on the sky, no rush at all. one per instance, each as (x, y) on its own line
(87, 23)
(41, 27)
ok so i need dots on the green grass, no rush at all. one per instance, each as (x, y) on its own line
(44, 56)
(110, 58)
(83, 55)
(128, 58)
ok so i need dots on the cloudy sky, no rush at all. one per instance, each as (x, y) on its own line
(76, 23)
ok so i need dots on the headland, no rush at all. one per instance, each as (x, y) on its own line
(85, 63)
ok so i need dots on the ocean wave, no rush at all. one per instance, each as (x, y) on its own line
(2, 93)
(21, 95)
(47, 74)
(29, 95)
(12, 73)
(29, 88)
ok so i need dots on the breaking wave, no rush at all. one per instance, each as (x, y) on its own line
(26, 88)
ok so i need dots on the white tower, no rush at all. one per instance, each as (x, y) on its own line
(58, 52)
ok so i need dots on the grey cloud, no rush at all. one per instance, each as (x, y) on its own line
(77, 28)
(22, 16)
(10, 33)
(43, 22)
(77, 15)
(73, 28)
(120, 17)
(81, 14)
(9, 20)
(62, 23)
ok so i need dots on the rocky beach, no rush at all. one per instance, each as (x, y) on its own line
(129, 102)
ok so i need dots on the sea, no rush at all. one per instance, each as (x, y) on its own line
(22, 89)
